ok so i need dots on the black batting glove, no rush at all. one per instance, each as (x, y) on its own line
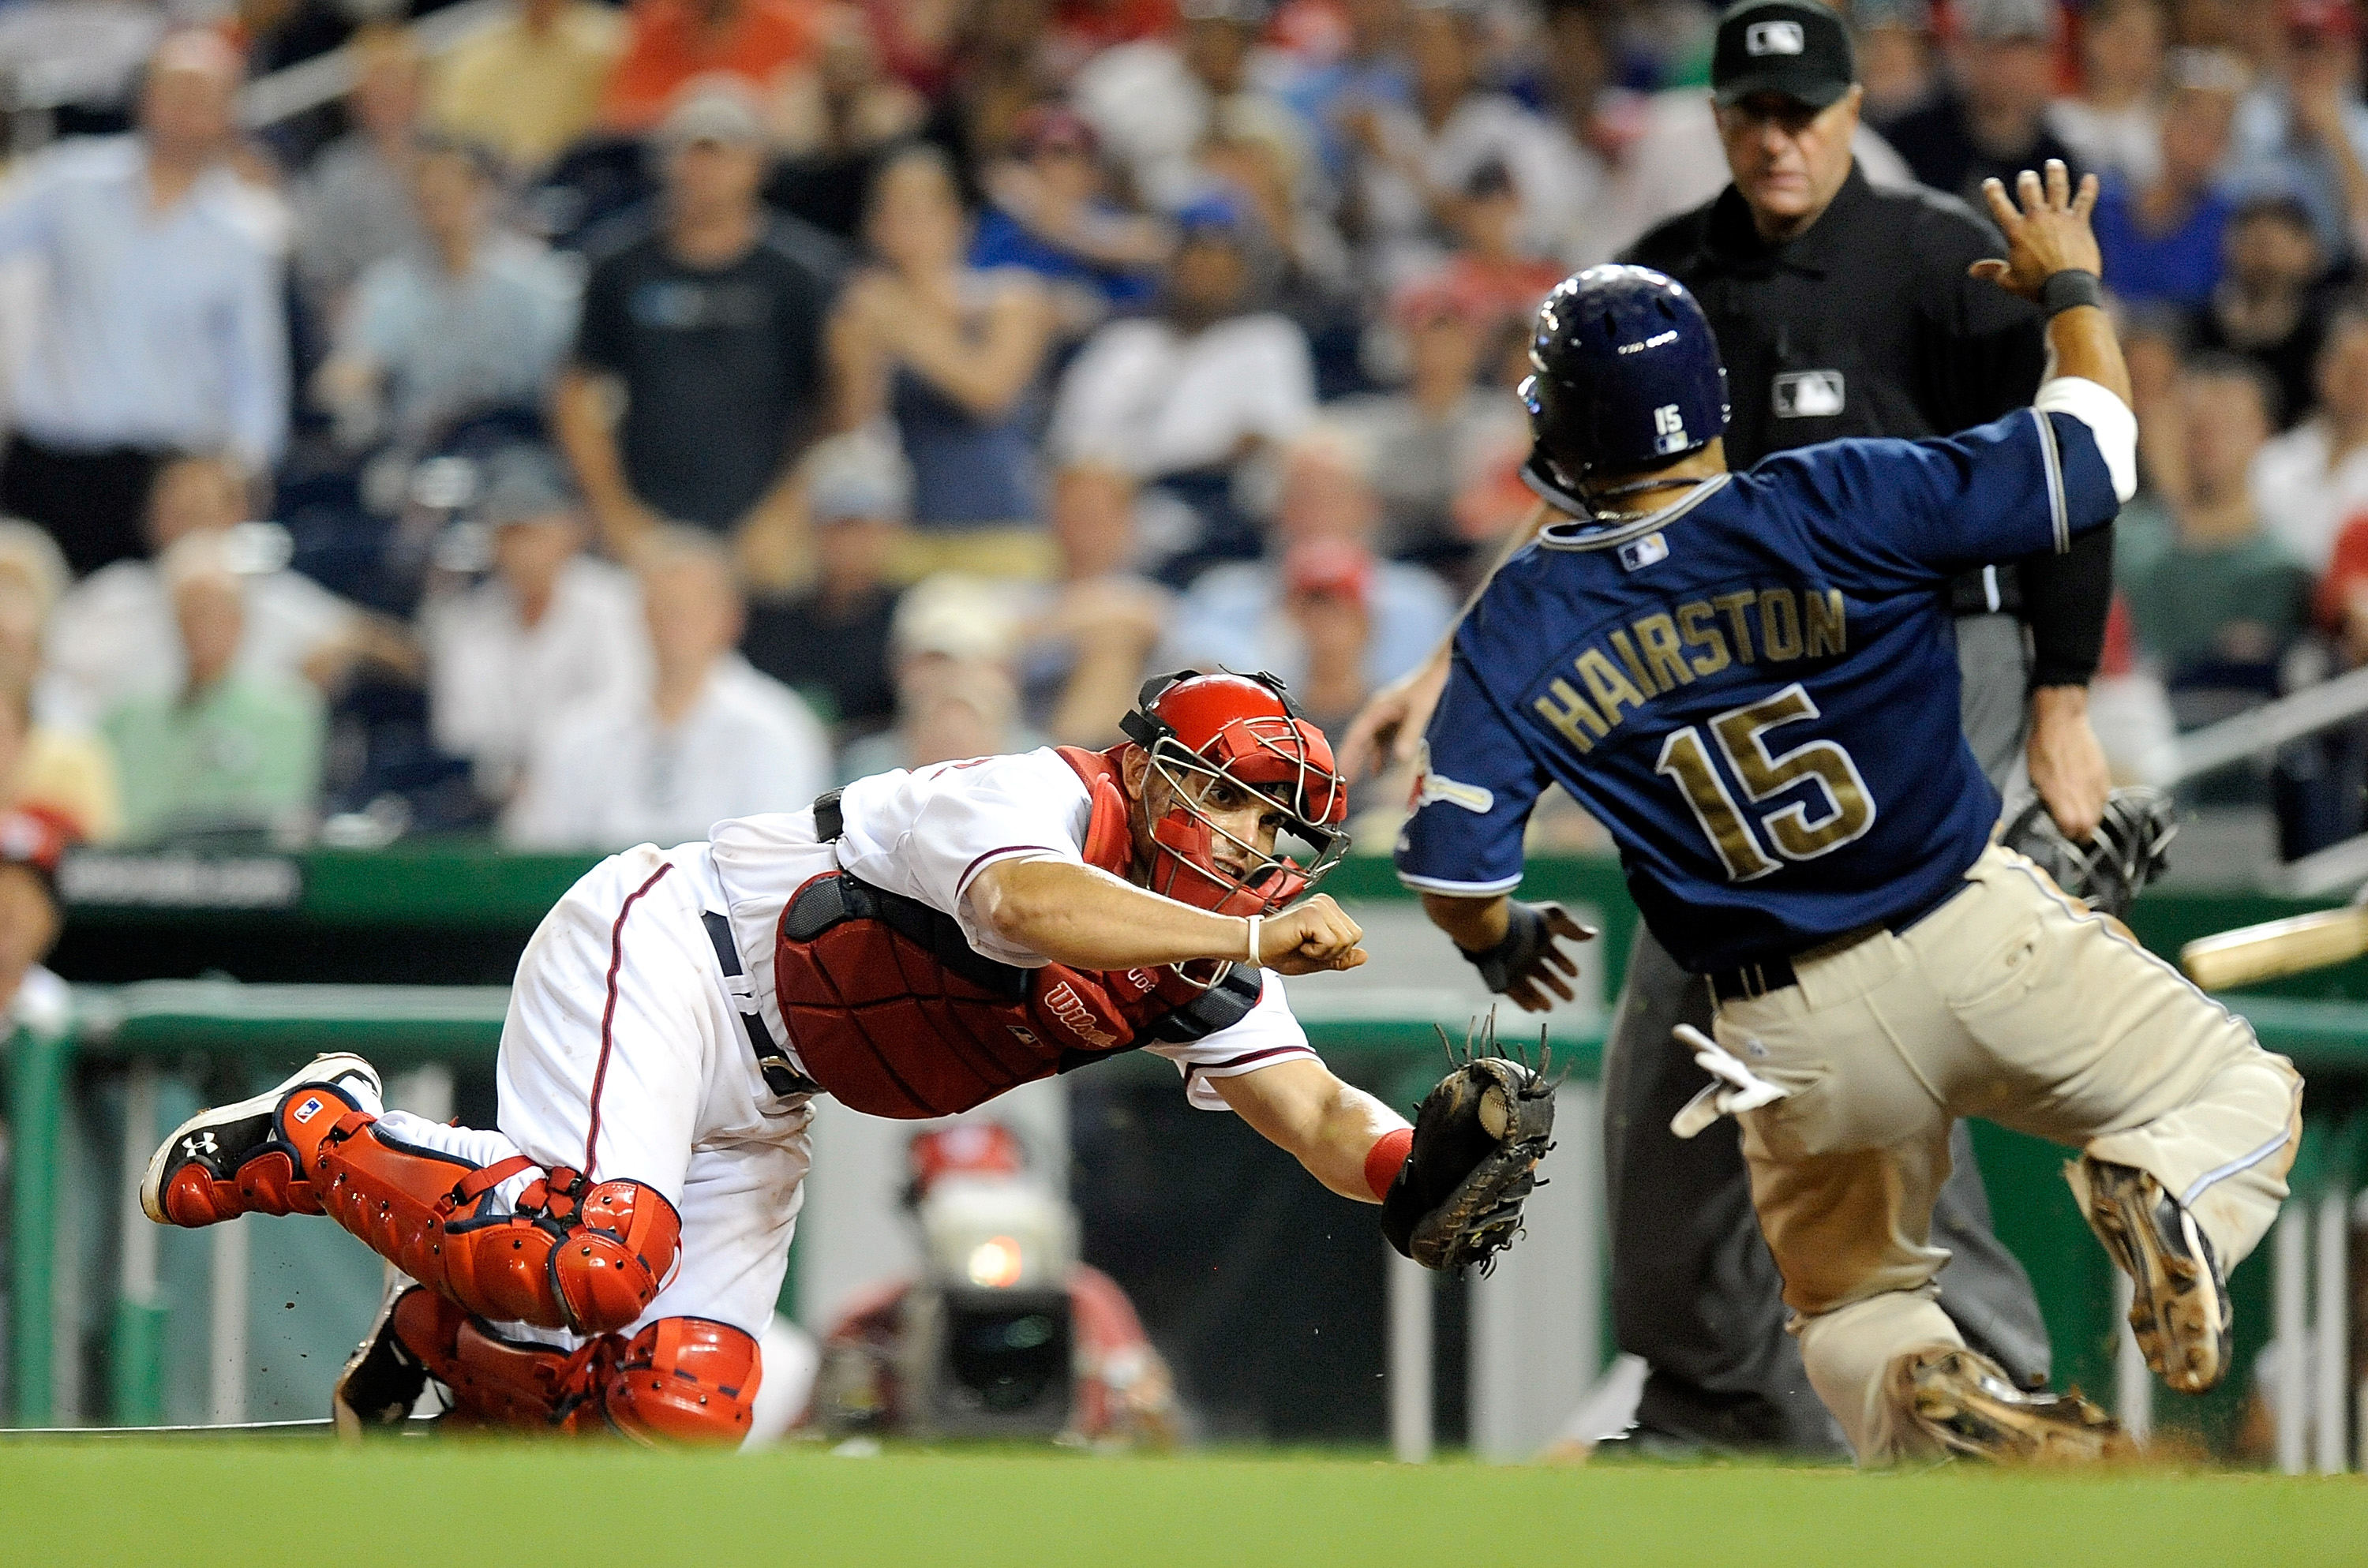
(1527, 967)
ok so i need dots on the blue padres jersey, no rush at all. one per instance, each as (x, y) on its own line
(1755, 691)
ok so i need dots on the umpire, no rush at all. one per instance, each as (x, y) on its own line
(1840, 310)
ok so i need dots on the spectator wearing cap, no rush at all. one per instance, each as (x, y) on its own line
(469, 320)
(1494, 263)
(2313, 480)
(1154, 102)
(837, 124)
(708, 738)
(1990, 120)
(1048, 213)
(355, 206)
(1090, 635)
(830, 642)
(954, 355)
(550, 628)
(1237, 615)
(1415, 162)
(1181, 398)
(2267, 306)
(709, 318)
(161, 325)
(2302, 130)
(1328, 596)
(673, 45)
(2114, 124)
(1434, 438)
(235, 748)
(529, 85)
(950, 646)
(33, 844)
(114, 636)
(2163, 238)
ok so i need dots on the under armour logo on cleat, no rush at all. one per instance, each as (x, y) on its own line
(203, 1143)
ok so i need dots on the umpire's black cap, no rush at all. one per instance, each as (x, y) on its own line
(1797, 48)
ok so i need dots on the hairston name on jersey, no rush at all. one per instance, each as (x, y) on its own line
(1678, 646)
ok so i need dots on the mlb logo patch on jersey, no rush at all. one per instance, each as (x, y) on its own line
(1809, 394)
(1639, 553)
(1773, 37)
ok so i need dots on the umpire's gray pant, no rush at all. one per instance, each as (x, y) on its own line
(1693, 1289)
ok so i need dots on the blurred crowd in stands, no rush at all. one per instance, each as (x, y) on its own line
(583, 423)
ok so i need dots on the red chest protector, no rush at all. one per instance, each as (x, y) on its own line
(897, 1015)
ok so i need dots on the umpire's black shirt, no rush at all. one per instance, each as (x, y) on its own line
(1868, 324)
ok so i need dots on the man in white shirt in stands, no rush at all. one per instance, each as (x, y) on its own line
(708, 737)
(113, 637)
(551, 628)
(913, 946)
(1195, 388)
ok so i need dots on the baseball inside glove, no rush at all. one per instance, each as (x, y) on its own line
(1478, 1137)
(2129, 849)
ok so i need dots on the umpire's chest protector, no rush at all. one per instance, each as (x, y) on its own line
(895, 1015)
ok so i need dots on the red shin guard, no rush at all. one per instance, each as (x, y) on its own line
(680, 1380)
(573, 1255)
(684, 1380)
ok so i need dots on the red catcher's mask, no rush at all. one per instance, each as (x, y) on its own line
(1198, 730)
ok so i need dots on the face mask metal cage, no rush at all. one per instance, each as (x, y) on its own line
(1271, 880)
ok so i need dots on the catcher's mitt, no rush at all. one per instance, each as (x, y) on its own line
(1478, 1137)
(2129, 849)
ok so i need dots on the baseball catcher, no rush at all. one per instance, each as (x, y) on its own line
(915, 944)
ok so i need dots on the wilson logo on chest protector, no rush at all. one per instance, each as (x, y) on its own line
(1064, 1002)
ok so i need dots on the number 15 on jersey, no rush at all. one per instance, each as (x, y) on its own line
(1829, 807)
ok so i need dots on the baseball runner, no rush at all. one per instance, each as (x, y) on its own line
(1750, 678)
(915, 944)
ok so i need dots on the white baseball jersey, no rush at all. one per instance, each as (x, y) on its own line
(624, 1055)
(927, 834)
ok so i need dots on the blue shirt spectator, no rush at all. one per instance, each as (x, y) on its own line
(162, 326)
(470, 321)
(1046, 212)
(2163, 238)
(2180, 265)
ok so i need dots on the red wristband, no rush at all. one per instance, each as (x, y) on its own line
(1383, 1160)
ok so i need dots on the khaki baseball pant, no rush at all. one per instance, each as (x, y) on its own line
(2013, 1003)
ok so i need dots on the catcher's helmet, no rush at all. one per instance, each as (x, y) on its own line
(1625, 376)
(1197, 728)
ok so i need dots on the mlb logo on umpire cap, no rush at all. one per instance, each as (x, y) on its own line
(1772, 38)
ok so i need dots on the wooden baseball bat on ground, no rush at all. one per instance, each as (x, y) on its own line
(2274, 947)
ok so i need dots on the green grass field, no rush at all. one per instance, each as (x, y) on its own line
(450, 1504)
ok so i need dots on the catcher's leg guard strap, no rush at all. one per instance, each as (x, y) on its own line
(573, 1255)
(687, 1380)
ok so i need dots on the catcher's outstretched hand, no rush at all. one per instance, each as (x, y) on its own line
(1528, 968)
(1477, 1140)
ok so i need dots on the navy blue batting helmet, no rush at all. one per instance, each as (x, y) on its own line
(1625, 376)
